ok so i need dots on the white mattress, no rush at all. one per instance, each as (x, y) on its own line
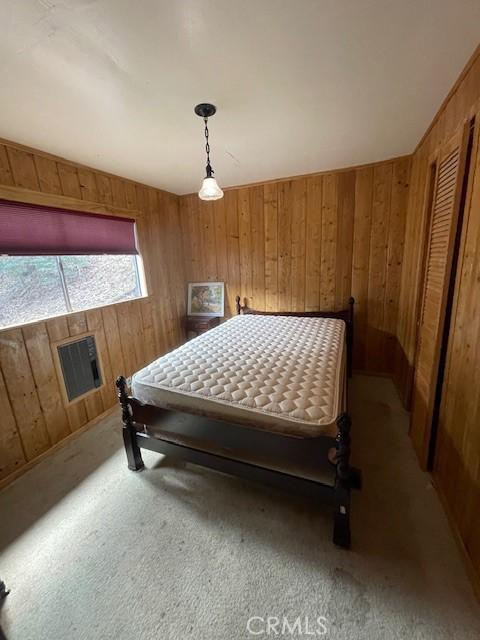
(277, 373)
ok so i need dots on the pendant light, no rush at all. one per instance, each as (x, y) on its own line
(210, 189)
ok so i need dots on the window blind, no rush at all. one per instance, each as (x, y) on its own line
(27, 229)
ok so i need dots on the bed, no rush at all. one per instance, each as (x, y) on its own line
(262, 396)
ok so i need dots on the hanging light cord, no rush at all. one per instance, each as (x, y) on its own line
(207, 149)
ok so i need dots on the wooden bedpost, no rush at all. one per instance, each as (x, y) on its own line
(344, 424)
(341, 527)
(238, 306)
(347, 478)
(134, 455)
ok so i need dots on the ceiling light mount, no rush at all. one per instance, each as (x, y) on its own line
(205, 110)
(210, 189)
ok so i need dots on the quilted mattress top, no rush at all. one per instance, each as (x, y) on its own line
(279, 369)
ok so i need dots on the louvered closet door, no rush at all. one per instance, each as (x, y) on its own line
(443, 224)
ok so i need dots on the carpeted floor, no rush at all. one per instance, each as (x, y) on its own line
(92, 551)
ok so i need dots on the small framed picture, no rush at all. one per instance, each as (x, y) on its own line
(206, 299)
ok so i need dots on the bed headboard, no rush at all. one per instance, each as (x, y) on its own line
(344, 314)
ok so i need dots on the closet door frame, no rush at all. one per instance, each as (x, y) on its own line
(475, 116)
(458, 139)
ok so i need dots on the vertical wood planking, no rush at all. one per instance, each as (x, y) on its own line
(396, 234)
(136, 322)
(329, 241)
(88, 185)
(69, 180)
(37, 343)
(155, 235)
(57, 328)
(187, 240)
(12, 456)
(207, 236)
(258, 247)
(48, 177)
(271, 246)
(299, 196)
(244, 230)
(382, 184)
(344, 245)
(95, 323)
(130, 195)
(196, 262)
(233, 249)
(6, 176)
(114, 341)
(220, 238)
(23, 393)
(313, 243)
(104, 188)
(361, 261)
(77, 323)
(175, 270)
(221, 248)
(148, 330)
(126, 330)
(23, 169)
(119, 197)
(161, 245)
(284, 242)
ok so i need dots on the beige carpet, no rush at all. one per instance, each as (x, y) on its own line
(93, 551)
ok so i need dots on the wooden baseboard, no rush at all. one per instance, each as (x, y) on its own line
(472, 571)
(31, 463)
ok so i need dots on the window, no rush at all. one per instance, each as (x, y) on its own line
(100, 280)
(36, 287)
(55, 261)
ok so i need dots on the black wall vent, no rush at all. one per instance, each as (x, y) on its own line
(80, 366)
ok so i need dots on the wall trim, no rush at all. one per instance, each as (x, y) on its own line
(20, 194)
(302, 176)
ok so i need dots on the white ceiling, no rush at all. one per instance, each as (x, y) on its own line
(300, 85)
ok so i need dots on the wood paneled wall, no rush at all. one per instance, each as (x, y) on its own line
(308, 243)
(130, 334)
(457, 464)
(458, 107)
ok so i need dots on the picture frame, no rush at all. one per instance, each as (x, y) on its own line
(206, 299)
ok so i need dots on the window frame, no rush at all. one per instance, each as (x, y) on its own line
(63, 287)
(21, 195)
(66, 296)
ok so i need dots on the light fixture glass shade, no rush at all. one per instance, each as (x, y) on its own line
(210, 190)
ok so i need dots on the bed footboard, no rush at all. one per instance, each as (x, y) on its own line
(134, 455)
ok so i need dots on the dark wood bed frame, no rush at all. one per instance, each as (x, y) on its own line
(137, 415)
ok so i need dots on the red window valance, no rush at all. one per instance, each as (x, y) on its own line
(28, 229)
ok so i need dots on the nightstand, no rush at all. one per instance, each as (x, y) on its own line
(196, 325)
